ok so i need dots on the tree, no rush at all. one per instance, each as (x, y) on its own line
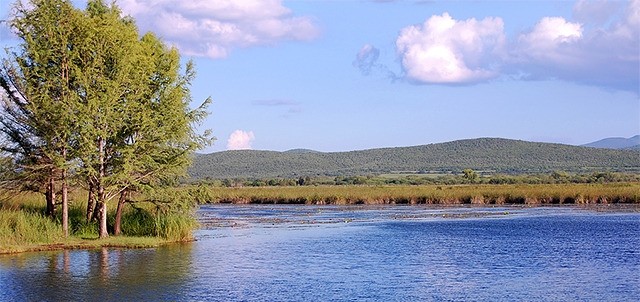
(139, 130)
(470, 175)
(87, 95)
(38, 100)
(159, 123)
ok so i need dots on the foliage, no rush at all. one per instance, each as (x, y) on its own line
(555, 177)
(22, 222)
(85, 98)
(488, 154)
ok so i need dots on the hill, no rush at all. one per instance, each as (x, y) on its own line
(301, 151)
(616, 143)
(492, 154)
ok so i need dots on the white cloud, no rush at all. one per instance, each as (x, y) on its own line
(240, 140)
(601, 48)
(551, 31)
(604, 51)
(552, 40)
(444, 50)
(214, 28)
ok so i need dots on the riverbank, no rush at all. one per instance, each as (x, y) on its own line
(75, 243)
(532, 194)
(24, 226)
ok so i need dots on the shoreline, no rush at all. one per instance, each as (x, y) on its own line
(90, 244)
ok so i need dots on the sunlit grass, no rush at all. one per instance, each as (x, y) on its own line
(23, 225)
(429, 194)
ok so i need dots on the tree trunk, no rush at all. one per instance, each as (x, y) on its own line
(102, 213)
(121, 201)
(102, 226)
(96, 210)
(65, 204)
(51, 197)
(65, 201)
(91, 203)
(50, 204)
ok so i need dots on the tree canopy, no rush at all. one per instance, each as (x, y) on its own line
(86, 98)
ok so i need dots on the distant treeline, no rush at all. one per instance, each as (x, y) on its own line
(466, 176)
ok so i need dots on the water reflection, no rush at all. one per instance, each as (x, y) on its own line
(105, 274)
(385, 254)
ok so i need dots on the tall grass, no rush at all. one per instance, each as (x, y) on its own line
(26, 228)
(22, 220)
(170, 225)
(429, 194)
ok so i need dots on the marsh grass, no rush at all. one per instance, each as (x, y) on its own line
(172, 226)
(431, 194)
(23, 225)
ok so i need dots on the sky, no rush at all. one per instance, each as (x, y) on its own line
(360, 74)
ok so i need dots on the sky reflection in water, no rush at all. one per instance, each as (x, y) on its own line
(294, 253)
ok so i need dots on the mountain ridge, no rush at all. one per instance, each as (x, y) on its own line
(493, 154)
(616, 143)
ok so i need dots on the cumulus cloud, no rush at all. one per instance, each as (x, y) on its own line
(444, 50)
(240, 140)
(603, 50)
(552, 40)
(601, 47)
(214, 28)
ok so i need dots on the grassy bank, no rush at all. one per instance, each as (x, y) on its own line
(24, 227)
(430, 194)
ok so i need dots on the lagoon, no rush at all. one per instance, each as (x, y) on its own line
(356, 253)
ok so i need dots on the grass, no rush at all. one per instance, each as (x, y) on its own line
(74, 242)
(24, 227)
(429, 194)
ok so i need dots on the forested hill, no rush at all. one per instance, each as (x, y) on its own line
(485, 154)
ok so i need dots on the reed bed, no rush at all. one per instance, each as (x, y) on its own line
(428, 194)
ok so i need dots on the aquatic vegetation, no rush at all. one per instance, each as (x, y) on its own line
(429, 194)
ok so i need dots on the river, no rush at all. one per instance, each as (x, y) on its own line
(334, 253)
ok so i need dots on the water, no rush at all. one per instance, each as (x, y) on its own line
(392, 253)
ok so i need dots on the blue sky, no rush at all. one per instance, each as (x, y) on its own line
(348, 75)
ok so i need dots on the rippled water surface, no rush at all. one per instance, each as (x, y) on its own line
(326, 253)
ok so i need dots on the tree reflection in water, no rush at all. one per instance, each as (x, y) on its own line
(104, 274)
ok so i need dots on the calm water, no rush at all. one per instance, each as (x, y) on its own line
(305, 253)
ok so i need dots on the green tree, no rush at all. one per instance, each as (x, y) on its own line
(86, 94)
(37, 117)
(470, 175)
(158, 123)
(139, 130)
